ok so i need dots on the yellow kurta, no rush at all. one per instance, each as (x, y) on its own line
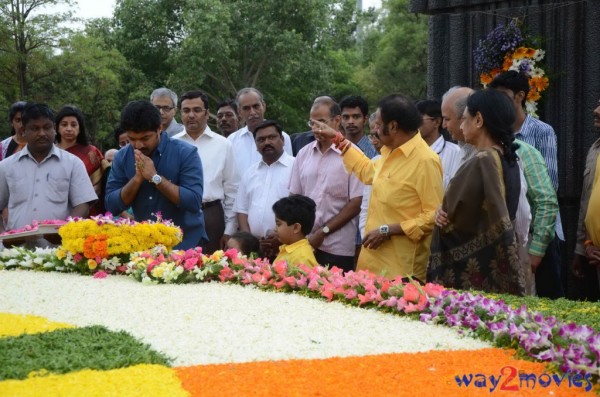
(592, 216)
(297, 253)
(407, 189)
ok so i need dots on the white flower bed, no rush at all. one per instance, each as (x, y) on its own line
(217, 323)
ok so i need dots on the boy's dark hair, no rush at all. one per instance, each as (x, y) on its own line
(355, 101)
(268, 123)
(248, 242)
(35, 111)
(140, 116)
(296, 209)
(514, 81)
(74, 111)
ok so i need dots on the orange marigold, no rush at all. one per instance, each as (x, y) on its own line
(523, 52)
(96, 246)
(540, 83)
(533, 95)
(508, 61)
(485, 78)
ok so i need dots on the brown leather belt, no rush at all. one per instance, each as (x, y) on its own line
(210, 204)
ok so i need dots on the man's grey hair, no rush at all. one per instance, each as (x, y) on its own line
(248, 90)
(372, 117)
(461, 102)
(164, 92)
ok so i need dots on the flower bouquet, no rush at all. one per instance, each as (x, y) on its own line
(104, 242)
(507, 48)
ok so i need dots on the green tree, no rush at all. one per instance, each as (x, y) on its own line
(88, 74)
(26, 30)
(394, 53)
(146, 32)
(284, 48)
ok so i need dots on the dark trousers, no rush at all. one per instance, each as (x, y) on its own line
(345, 263)
(548, 276)
(214, 223)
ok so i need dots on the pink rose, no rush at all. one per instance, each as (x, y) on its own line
(231, 253)
(100, 274)
(189, 264)
(411, 293)
(433, 290)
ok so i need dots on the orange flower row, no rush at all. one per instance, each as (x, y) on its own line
(444, 373)
(96, 246)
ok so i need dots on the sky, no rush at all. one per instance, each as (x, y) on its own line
(104, 8)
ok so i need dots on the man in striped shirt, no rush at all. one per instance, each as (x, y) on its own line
(541, 136)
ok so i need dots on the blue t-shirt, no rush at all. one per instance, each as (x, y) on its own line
(176, 161)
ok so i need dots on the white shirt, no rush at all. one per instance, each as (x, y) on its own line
(263, 186)
(450, 156)
(364, 206)
(244, 149)
(523, 215)
(220, 177)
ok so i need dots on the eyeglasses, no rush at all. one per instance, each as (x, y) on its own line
(310, 123)
(165, 108)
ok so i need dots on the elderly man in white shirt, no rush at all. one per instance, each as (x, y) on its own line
(265, 182)
(220, 176)
(251, 108)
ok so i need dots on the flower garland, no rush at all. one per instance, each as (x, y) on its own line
(506, 48)
(103, 239)
(568, 347)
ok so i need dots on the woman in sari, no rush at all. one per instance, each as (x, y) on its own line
(73, 138)
(475, 248)
(16, 141)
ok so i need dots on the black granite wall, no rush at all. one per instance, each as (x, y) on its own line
(570, 33)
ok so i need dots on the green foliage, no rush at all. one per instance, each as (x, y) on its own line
(67, 350)
(90, 75)
(283, 48)
(394, 53)
(25, 32)
(145, 32)
(291, 50)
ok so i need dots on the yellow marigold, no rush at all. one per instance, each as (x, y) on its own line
(92, 264)
(61, 254)
(158, 271)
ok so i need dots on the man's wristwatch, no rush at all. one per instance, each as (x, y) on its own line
(325, 229)
(384, 230)
(156, 179)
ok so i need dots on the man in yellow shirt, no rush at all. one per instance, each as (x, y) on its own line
(294, 219)
(407, 189)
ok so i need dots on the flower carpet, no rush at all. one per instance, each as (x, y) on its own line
(111, 313)
(69, 335)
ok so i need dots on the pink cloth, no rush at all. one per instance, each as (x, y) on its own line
(323, 178)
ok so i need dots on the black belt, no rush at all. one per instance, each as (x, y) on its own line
(210, 204)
